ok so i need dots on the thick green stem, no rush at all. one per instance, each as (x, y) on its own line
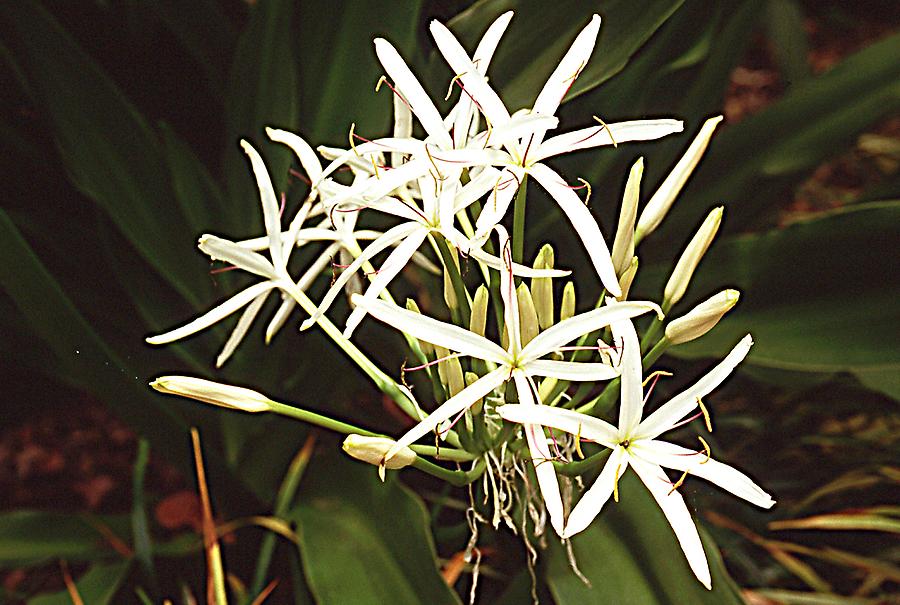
(459, 287)
(580, 467)
(518, 234)
(457, 478)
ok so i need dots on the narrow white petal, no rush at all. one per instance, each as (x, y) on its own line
(584, 323)
(214, 315)
(240, 329)
(676, 512)
(389, 238)
(508, 292)
(453, 406)
(632, 406)
(475, 84)
(394, 206)
(392, 265)
(541, 457)
(503, 190)
(697, 464)
(269, 200)
(305, 154)
(583, 222)
(475, 188)
(227, 251)
(432, 330)
(280, 317)
(518, 270)
(403, 127)
(384, 182)
(592, 501)
(684, 403)
(569, 421)
(359, 158)
(407, 84)
(518, 127)
(597, 136)
(569, 67)
(571, 370)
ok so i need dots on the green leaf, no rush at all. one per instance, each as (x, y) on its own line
(816, 295)
(363, 541)
(29, 537)
(784, 20)
(98, 586)
(630, 555)
(884, 519)
(263, 90)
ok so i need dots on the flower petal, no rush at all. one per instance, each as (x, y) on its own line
(571, 370)
(592, 501)
(584, 323)
(407, 84)
(508, 292)
(584, 223)
(632, 405)
(697, 464)
(383, 182)
(433, 331)
(676, 512)
(305, 154)
(682, 404)
(232, 253)
(453, 406)
(541, 457)
(597, 136)
(240, 329)
(214, 315)
(569, 421)
(494, 209)
(271, 214)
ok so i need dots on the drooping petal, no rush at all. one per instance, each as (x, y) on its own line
(475, 188)
(597, 136)
(684, 403)
(541, 457)
(407, 84)
(697, 464)
(227, 251)
(592, 501)
(453, 406)
(518, 270)
(569, 421)
(473, 82)
(305, 154)
(359, 158)
(632, 405)
(584, 323)
(676, 512)
(390, 237)
(583, 222)
(433, 331)
(392, 265)
(384, 182)
(271, 214)
(495, 206)
(571, 370)
(215, 314)
(403, 127)
(508, 293)
(240, 329)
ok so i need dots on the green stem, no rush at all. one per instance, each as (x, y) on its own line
(459, 287)
(518, 236)
(580, 467)
(456, 478)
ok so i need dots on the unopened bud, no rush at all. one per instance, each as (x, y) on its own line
(542, 288)
(374, 449)
(627, 278)
(215, 393)
(567, 306)
(449, 291)
(623, 246)
(449, 371)
(478, 317)
(658, 206)
(702, 318)
(528, 319)
(690, 258)
(427, 347)
(476, 408)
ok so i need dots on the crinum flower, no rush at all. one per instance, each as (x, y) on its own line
(519, 363)
(635, 444)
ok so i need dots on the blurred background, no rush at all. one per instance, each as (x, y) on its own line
(120, 129)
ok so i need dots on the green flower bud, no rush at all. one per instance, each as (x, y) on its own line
(426, 347)
(690, 258)
(477, 407)
(567, 306)
(542, 288)
(373, 450)
(449, 292)
(215, 393)
(478, 317)
(702, 318)
(623, 246)
(627, 277)
(528, 319)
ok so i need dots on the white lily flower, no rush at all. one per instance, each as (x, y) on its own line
(515, 362)
(634, 443)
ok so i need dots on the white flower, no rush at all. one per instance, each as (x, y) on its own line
(215, 393)
(634, 443)
(516, 362)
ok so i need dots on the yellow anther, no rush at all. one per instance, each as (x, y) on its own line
(705, 412)
(608, 131)
(678, 483)
(352, 141)
(578, 442)
(654, 375)
(490, 129)
(616, 484)
(375, 167)
(705, 449)
(452, 82)
(381, 81)
(576, 74)
(440, 177)
(588, 185)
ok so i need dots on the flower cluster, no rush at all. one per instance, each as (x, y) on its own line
(500, 399)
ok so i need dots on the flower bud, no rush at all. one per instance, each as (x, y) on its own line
(690, 258)
(427, 347)
(528, 319)
(658, 206)
(627, 278)
(478, 406)
(623, 246)
(567, 306)
(449, 291)
(542, 288)
(449, 371)
(702, 318)
(373, 450)
(215, 393)
(478, 316)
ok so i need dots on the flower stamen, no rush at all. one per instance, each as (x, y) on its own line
(608, 130)
(678, 483)
(705, 413)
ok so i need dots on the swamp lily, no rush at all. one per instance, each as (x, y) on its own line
(521, 364)
(634, 443)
